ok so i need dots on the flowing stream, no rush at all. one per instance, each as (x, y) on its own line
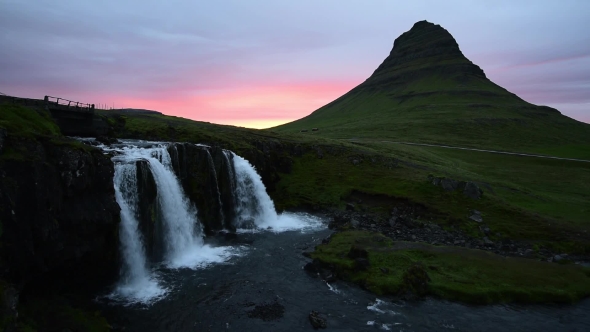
(254, 280)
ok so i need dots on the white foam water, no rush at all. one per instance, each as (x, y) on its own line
(136, 284)
(255, 210)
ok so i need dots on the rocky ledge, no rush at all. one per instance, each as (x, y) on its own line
(404, 225)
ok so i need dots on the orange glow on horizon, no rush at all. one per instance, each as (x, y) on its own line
(259, 123)
(252, 107)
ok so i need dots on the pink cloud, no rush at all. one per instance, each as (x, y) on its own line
(253, 106)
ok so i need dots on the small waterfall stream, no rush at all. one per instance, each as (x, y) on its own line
(254, 208)
(181, 228)
(136, 282)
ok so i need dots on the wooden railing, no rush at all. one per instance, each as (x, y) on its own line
(52, 101)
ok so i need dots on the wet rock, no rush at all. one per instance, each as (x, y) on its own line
(328, 276)
(317, 321)
(267, 311)
(147, 212)
(106, 140)
(558, 258)
(227, 236)
(195, 168)
(487, 241)
(311, 267)
(314, 266)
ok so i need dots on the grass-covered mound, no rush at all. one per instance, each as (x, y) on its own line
(459, 274)
(27, 122)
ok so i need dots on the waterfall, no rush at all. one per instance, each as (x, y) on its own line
(136, 282)
(182, 231)
(254, 208)
(182, 236)
(168, 219)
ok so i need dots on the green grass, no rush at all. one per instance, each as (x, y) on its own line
(27, 122)
(458, 274)
(551, 211)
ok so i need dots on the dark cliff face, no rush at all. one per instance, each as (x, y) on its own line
(148, 212)
(200, 178)
(59, 216)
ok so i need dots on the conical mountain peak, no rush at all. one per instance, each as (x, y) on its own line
(425, 49)
(426, 90)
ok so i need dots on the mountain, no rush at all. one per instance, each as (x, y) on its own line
(427, 91)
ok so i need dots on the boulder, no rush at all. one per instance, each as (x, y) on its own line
(469, 189)
(317, 321)
(449, 184)
(476, 217)
(472, 190)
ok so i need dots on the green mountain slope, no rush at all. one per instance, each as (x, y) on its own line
(427, 91)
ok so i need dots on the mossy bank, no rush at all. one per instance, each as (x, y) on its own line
(389, 267)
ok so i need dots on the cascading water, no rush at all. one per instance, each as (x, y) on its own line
(136, 282)
(180, 224)
(169, 220)
(255, 209)
(182, 233)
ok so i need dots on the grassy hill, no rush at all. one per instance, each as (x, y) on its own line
(427, 91)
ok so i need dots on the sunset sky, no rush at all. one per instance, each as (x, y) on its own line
(261, 63)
